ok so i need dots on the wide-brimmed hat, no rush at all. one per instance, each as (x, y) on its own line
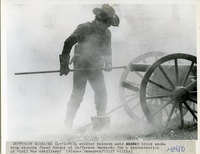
(107, 13)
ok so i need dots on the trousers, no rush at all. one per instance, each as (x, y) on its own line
(97, 82)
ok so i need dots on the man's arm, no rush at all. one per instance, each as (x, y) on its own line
(68, 44)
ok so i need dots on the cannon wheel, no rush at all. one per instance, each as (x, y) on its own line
(176, 92)
(130, 83)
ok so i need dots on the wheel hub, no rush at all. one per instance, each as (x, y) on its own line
(180, 94)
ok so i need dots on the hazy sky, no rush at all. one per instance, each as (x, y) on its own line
(35, 33)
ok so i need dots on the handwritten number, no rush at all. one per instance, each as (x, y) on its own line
(176, 149)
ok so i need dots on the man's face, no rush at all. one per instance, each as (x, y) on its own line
(103, 24)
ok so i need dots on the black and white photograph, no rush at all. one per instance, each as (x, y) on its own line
(99, 77)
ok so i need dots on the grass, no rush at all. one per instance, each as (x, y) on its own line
(135, 132)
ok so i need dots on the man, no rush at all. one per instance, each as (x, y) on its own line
(93, 50)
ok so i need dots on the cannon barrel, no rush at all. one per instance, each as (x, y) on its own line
(144, 67)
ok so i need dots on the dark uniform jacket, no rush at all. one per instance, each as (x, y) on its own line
(94, 45)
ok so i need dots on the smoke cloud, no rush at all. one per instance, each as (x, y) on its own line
(35, 36)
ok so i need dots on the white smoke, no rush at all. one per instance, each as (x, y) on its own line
(35, 36)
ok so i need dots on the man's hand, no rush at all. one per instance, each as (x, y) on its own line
(64, 64)
(108, 68)
(64, 70)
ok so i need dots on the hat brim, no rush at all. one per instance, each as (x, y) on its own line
(114, 20)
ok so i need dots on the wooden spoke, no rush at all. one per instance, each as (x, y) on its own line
(170, 115)
(166, 111)
(131, 99)
(139, 74)
(176, 71)
(192, 92)
(114, 109)
(158, 96)
(160, 86)
(191, 111)
(195, 111)
(192, 85)
(192, 100)
(163, 106)
(188, 73)
(131, 95)
(166, 76)
(135, 106)
(181, 115)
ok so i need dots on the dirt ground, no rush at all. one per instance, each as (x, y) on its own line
(131, 132)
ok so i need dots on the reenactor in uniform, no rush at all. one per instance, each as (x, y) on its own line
(92, 50)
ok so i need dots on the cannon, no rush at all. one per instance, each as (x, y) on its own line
(161, 89)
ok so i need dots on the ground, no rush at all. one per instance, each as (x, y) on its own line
(132, 132)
